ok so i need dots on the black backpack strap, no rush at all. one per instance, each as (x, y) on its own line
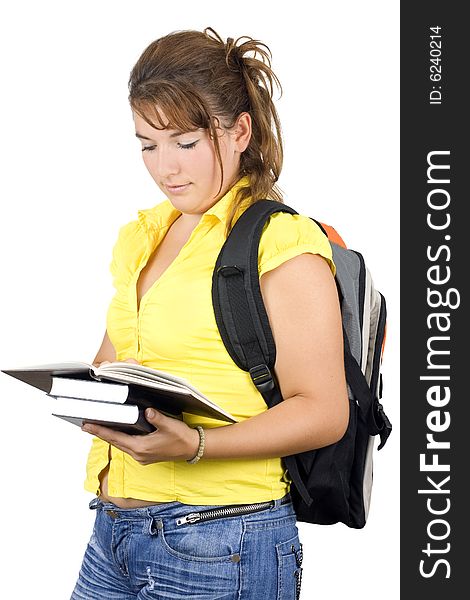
(375, 418)
(238, 305)
(240, 312)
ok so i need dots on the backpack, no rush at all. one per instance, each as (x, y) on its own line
(333, 483)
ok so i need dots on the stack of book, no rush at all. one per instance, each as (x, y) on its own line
(116, 394)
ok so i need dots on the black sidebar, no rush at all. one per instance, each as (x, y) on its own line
(435, 235)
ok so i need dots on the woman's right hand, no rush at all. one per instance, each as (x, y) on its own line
(106, 353)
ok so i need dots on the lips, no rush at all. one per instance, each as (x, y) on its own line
(177, 188)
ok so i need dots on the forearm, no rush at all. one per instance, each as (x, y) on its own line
(295, 425)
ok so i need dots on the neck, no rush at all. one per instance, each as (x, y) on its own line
(189, 220)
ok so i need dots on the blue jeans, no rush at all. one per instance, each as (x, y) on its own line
(145, 554)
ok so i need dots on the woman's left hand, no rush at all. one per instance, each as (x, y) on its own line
(172, 440)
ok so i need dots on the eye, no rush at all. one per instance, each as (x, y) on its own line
(187, 146)
(148, 148)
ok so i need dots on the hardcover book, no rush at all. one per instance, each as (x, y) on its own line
(118, 383)
(128, 418)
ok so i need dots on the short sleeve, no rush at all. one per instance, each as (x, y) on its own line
(285, 236)
(125, 254)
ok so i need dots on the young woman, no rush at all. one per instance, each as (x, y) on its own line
(203, 111)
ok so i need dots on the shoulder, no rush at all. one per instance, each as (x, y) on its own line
(127, 250)
(129, 236)
(285, 236)
(128, 233)
(148, 220)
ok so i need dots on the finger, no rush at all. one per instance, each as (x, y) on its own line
(120, 440)
(131, 360)
(100, 364)
(155, 418)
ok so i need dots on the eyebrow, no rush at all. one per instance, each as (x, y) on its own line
(172, 135)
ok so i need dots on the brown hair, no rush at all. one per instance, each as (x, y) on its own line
(198, 81)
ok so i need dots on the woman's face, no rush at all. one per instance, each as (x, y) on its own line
(184, 164)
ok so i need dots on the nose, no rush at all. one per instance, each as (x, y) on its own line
(163, 163)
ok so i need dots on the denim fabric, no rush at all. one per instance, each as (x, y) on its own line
(143, 554)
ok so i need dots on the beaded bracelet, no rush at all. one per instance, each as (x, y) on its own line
(200, 450)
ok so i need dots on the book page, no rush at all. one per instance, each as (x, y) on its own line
(145, 373)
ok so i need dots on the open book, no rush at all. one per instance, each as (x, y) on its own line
(120, 383)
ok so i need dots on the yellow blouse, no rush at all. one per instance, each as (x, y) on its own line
(175, 331)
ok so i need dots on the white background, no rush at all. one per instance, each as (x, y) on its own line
(72, 175)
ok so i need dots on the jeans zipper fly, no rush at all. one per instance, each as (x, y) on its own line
(218, 513)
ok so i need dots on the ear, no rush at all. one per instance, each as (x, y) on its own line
(242, 131)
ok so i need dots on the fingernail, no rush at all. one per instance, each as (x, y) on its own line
(150, 413)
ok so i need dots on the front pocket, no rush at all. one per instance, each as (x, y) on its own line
(212, 541)
(289, 556)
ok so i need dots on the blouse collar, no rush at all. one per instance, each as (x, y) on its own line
(164, 214)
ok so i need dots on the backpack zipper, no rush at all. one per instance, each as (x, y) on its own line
(217, 513)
